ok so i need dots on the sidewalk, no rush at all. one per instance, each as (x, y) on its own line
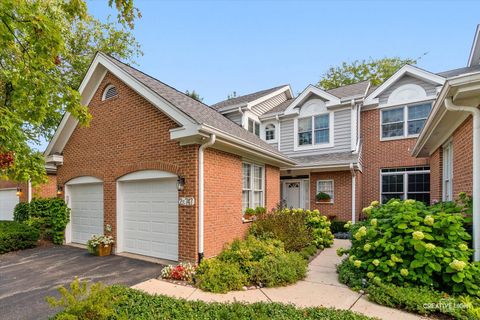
(319, 289)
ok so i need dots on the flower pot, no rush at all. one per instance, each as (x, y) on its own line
(104, 250)
(325, 201)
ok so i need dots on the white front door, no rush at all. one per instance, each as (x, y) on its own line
(86, 202)
(8, 201)
(149, 210)
(292, 193)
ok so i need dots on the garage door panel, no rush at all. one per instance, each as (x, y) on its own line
(150, 216)
(8, 201)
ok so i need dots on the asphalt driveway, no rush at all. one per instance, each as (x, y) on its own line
(28, 276)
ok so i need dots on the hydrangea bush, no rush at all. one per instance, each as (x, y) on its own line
(184, 271)
(408, 243)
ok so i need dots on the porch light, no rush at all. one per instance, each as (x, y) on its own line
(180, 183)
(59, 190)
(19, 191)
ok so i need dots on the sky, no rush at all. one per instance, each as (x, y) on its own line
(217, 47)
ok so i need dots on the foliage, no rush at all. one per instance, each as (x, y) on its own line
(405, 242)
(84, 302)
(183, 271)
(194, 95)
(47, 47)
(322, 196)
(375, 70)
(16, 236)
(219, 276)
(260, 262)
(128, 303)
(320, 228)
(350, 276)
(338, 226)
(309, 251)
(97, 240)
(49, 215)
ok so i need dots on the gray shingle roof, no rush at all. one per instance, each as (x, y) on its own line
(245, 98)
(350, 90)
(199, 112)
(327, 159)
(459, 71)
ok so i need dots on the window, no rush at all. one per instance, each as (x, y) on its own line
(447, 176)
(270, 132)
(109, 92)
(404, 121)
(254, 127)
(326, 186)
(314, 130)
(253, 184)
(406, 183)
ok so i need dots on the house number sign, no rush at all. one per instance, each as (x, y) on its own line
(186, 201)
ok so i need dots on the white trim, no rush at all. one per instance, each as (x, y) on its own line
(332, 199)
(405, 135)
(406, 69)
(146, 174)
(313, 146)
(286, 89)
(474, 57)
(405, 180)
(104, 94)
(251, 189)
(332, 100)
(263, 131)
(119, 217)
(83, 180)
(416, 93)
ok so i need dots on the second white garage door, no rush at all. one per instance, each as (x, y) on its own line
(150, 217)
(8, 201)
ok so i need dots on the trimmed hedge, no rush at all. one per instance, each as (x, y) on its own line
(16, 236)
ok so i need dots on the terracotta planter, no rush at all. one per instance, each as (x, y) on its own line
(325, 201)
(104, 250)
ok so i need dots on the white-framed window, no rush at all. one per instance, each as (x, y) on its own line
(270, 132)
(254, 127)
(405, 183)
(327, 187)
(314, 131)
(447, 175)
(404, 121)
(109, 92)
(253, 186)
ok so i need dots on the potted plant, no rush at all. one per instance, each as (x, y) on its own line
(323, 197)
(259, 211)
(100, 245)
(249, 214)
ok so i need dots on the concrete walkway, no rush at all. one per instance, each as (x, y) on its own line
(319, 289)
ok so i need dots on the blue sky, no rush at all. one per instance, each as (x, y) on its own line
(217, 47)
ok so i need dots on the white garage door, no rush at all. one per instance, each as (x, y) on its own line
(150, 217)
(8, 201)
(86, 202)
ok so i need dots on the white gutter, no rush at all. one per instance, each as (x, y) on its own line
(476, 171)
(352, 170)
(202, 147)
(29, 198)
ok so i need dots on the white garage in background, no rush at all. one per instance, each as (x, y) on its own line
(8, 201)
(147, 214)
(85, 198)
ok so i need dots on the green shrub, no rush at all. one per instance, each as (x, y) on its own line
(279, 270)
(320, 228)
(125, 303)
(309, 251)
(349, 275)
(16, 236)
(50, 216)
(219, 276)
(405, 242)
(338, 226)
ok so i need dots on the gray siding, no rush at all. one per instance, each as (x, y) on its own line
(235, 117)
(269, 104)
(430, 89)
(342, 136)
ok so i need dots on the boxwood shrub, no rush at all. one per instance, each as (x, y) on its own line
(16, 236)
(407, 243)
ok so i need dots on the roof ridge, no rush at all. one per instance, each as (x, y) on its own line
(251, 93)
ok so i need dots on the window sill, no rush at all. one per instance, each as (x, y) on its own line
(247, 220)
(317, 146)
(399, 138)
(318, 202)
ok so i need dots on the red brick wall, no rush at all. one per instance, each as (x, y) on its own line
(436, 166)
(381, 154)
(462, 144)
(272, 187)
(46, 190)
(129, 134)
(342, 206)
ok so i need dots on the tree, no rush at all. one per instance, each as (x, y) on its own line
(375, 70)
(47, 47)
(194, 95)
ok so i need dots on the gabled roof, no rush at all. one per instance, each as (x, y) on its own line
(189, 113)
(459, 71)
(351, 90)
(312, 90)
(245, 99)
(405, 70)
(278, 109)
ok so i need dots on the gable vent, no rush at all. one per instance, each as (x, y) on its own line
(110, 92)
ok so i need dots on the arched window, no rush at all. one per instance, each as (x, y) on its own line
(109, 92)
(270, 132)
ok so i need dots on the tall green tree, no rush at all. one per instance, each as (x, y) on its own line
(194, 95)
(375, 70)
(46, 47)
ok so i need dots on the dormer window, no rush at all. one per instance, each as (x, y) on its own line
(254, 127)
(270, 132)
(314, 130)
(109, 92)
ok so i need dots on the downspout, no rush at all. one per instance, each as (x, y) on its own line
(29, 196)
(476, 171)
(278, 135)
(202, 147)
(354, 198)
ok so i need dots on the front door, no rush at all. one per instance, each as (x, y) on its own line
(292, 193)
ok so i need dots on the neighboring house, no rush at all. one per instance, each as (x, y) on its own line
(164, 174)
